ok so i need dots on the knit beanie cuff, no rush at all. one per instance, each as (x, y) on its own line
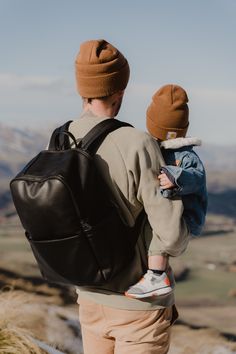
(163, 133)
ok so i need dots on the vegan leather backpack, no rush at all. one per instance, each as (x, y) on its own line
(70, 220)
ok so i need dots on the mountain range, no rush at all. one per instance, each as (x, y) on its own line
(18, 146)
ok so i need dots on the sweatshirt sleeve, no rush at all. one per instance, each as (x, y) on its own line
(164, 215)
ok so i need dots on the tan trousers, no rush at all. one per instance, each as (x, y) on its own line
(107, 330)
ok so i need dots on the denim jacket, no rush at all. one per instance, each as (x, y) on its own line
(185, 169)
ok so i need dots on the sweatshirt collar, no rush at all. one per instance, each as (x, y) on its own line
(90, 115)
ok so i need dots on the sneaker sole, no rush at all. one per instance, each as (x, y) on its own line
(158, 292)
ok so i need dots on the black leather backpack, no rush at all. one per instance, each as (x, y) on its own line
(70, 220)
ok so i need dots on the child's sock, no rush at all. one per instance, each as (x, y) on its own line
(158, 272)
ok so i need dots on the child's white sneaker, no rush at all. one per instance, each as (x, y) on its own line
(151, 284)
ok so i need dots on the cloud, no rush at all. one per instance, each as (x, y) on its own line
(13, 82)
(56, 84)
(218, 95)
(31, 100)
(142, 89)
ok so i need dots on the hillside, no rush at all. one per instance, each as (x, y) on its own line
(205, 297)
(217, 157)
(205, 273)
(18, 146)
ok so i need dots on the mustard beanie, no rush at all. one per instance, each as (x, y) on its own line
(167, 115)
(101, 69)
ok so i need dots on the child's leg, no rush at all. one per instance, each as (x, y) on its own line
(158, 262)
(155, 281)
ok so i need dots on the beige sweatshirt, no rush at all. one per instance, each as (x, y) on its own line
(129, 161)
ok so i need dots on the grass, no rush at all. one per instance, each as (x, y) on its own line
(202, 299)
(209, 280)
(14, 244)
(15, 251)
(206, 286)
(14, 337)
(202, 286)
(15, 341)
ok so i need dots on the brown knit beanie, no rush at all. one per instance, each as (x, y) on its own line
(101, 69)
(167, 115)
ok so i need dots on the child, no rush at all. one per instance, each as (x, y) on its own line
(183, 175)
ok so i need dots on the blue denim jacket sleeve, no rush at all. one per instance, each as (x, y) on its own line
(190, 183)
(189, 177)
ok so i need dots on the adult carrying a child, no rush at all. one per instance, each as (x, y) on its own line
(129, 161)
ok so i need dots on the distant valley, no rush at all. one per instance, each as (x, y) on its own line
(18, 146)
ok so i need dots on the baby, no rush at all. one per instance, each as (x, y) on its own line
(183, 175)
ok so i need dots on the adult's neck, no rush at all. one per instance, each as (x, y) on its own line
(104, 107)
(100, 113)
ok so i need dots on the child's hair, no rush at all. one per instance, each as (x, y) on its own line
(167, 115)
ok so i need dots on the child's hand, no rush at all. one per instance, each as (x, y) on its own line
(165, 183)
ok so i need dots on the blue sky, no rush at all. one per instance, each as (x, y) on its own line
(187, 42)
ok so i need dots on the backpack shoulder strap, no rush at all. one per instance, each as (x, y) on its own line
(94, 138)
(90, 142)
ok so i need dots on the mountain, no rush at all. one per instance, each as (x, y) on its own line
(18, 146)
(223, 203)
(217, 157)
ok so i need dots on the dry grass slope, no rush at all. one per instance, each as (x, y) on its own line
(24, 315)
(16, 341)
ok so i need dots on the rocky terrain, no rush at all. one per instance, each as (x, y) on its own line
(45, 317)
(35, 312)
(42, 313)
